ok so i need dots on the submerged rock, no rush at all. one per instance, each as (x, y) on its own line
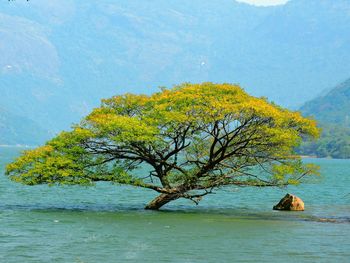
(291, 203)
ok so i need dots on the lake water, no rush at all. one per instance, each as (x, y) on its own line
(107, 223)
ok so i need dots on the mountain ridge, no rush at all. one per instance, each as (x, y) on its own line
(18, 130)
(332, 107)
(332, 111)
(62, 57)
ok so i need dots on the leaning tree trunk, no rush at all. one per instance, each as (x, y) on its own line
(161, 200)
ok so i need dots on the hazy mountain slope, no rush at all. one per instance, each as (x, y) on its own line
(97, 49)
(62, 57)
(15, 129)
(332, 111)
(333, 108)
(304, 49)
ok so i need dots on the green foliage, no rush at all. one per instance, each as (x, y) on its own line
(195, 137)
(333, 143)
(332, 110)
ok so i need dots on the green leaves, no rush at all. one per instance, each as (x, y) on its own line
(193, 136)
(292, 172)
(45, 165)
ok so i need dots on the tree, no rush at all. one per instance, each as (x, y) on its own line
(193, 138)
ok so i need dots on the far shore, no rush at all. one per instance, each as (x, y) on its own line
(311, 156)
(316, 157)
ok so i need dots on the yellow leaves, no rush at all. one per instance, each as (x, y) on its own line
(307, 126)
(125, 104)
(83, 133)
(141, 118)
(28, 157)
(293, 171)
(201, 117)
(123, 128)
(46, 164)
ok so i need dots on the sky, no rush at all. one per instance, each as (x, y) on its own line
(264, 2)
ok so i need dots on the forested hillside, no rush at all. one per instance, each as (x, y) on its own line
(332, 110)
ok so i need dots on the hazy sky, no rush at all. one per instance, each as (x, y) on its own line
(264, 2)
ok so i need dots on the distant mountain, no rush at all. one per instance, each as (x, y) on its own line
(59, 58)
(333, 107)
(332, 111)
(20, 130)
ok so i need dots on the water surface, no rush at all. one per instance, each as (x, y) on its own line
(107, 223)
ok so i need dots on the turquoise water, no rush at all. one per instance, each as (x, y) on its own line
(107, 223)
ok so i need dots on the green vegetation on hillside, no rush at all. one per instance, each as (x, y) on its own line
(333, 112)
(332, 108)
(334, 143)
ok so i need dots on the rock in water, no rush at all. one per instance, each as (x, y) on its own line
(291, 203)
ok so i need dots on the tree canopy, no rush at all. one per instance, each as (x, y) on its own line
(193, 138)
